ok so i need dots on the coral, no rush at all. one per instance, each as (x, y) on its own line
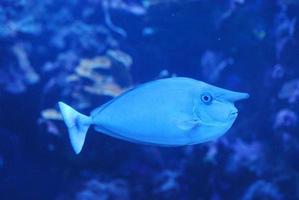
(95, 189)
(262, 190)
(86, 53)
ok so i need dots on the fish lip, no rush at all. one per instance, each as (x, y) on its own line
(233, 115)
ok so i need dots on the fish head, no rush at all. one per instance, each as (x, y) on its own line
(215, 106)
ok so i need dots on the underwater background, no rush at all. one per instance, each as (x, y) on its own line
(87, 52)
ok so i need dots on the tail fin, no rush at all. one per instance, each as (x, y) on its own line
(77, 125)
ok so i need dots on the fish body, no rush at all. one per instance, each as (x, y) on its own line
(167, 112)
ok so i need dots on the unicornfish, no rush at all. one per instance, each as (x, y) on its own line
(167, 112)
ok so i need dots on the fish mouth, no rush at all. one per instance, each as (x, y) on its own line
(233, 115)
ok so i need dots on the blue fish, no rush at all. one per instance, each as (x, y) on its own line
(167, 112)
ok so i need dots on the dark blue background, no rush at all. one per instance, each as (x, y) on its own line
(257, 159)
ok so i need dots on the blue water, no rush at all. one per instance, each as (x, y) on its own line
(86, 53)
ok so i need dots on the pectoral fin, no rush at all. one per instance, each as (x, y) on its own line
(187, 122)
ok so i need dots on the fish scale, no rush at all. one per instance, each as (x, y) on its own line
(167, 112)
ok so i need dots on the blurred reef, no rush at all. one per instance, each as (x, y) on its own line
(87, 52)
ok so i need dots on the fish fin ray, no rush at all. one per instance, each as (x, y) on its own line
(77, 125)
(187, 124)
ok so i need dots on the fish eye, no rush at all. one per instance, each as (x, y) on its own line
(206, 98)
